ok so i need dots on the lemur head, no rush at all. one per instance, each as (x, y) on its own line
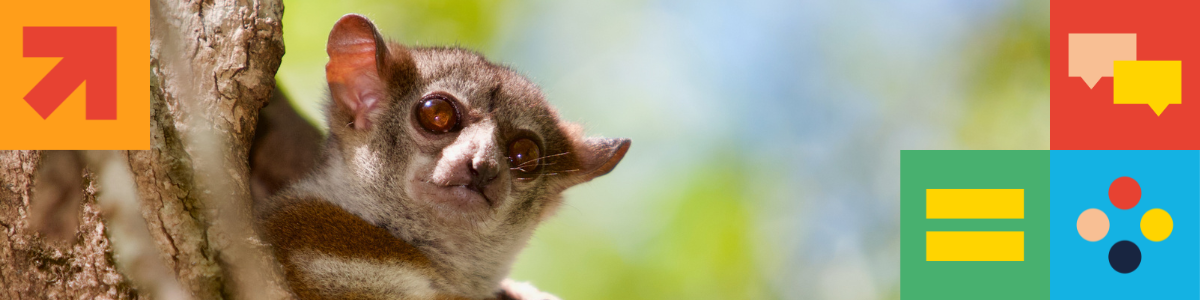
(446, 137)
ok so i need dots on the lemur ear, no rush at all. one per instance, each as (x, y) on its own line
(357, 53)
(598, 156)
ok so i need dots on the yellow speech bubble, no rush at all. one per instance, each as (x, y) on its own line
(1157, 83)
(1091, 55)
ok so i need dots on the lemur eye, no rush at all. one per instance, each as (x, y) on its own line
(437, 114)
(524, 157)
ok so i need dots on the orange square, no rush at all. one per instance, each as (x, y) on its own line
(75, 34)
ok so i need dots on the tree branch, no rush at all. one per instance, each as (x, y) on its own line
(176, 218)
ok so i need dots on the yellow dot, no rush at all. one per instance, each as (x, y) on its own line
(1157, 225)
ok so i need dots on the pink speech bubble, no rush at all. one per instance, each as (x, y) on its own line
(1091, 55)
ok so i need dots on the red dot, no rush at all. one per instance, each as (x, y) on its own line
(1124, 193)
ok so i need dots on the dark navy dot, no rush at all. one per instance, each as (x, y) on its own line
(1124, 257)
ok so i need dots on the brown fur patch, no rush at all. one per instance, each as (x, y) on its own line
(324, 227)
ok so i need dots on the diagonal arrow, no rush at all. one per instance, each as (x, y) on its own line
(89, 54)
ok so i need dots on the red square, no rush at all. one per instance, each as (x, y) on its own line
(1083, 118)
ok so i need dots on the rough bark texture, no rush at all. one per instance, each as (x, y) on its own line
(212, 66)
(39, 267)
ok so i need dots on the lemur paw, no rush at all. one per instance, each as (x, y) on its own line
(510, 289)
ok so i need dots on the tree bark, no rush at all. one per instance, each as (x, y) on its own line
(173, 221)
(40, 267)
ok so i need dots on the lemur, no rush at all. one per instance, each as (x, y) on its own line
(437, 168)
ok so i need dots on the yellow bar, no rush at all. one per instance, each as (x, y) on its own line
(974, 204)
(975, 246)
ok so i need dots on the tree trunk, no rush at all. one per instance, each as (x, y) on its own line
(170, 222)
(77, 267)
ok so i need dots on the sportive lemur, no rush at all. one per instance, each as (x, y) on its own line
(437, 168)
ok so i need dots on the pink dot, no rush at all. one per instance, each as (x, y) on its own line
(1092, 225)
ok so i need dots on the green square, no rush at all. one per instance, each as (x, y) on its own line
(972, 169)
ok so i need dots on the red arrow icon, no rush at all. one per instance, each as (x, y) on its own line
(89, 54)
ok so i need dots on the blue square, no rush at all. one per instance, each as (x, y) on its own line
(1080, 180)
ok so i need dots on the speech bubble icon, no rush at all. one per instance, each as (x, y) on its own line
(1155, 82)
(1091, 55)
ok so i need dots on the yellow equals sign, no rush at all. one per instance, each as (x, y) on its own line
(975, 245)
(975, 204)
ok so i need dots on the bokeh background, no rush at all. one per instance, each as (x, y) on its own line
(765, 162)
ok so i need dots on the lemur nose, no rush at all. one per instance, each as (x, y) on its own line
(483, 171)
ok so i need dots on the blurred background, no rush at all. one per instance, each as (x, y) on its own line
(766, 134)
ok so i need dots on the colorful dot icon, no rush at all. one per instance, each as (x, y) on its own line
(1124, 193)
(1124, 257)
(1092, 225)
(1157, 225)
